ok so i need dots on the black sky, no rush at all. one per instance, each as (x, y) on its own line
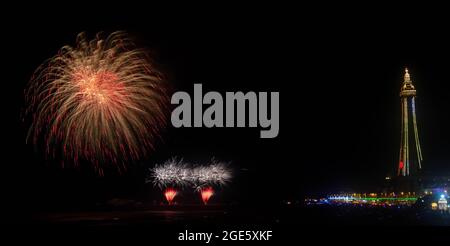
(338, 71)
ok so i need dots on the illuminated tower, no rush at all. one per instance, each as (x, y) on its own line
(410, 153)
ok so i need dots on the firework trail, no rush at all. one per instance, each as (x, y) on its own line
(100, 101)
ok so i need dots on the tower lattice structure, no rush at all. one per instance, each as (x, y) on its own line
(410, 152)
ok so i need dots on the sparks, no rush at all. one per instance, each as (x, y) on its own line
(170, 194)
(206, 194)
(172, 173)
(176, 172)
(101, 101)
(216, 173)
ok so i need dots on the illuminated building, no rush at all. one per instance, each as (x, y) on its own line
(442, 203)
(410, 161)
(434, 205)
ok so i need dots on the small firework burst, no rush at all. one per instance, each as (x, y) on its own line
(206, 194)
(175, 172)
(101, 101)
(170, 194)
(172, 173)
(216, 173)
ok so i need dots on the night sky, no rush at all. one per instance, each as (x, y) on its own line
(338, 73)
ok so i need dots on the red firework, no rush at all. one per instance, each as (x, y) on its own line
(170, 194)
(206, 194)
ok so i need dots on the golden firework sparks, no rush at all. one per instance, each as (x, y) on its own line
(102, 101)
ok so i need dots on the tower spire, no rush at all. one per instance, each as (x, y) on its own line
(407, 78)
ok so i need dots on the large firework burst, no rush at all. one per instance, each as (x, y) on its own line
(101, 101)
